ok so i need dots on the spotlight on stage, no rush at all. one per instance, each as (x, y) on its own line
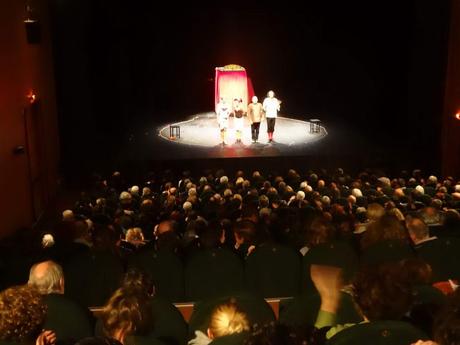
(457, 116)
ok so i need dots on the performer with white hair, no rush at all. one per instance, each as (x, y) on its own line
(271, 107)
(223, 112)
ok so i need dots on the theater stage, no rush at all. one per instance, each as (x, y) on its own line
(146, 146)
(201, 135)
(336, 144)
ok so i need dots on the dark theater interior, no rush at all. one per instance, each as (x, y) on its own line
(232, 173)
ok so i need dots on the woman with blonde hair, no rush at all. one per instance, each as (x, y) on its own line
(226, 319)
(135, 237)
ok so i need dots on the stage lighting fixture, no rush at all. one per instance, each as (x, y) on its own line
(457, 116)
(31, 97)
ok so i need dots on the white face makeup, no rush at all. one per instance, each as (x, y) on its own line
(254, 99)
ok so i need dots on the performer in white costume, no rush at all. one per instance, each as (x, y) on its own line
(271, 107)
(238, 114)
(223, 112)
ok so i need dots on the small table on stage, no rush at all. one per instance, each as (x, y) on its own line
(174, 132)
(315, 126)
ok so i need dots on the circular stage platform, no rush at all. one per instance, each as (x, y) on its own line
(202, 130)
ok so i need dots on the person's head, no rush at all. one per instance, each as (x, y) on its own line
(47, 241)
(382, 293)
(227, 319)
(271, 94)
(135, 279)
(187, 207)
(146, 192)
(325, 200)
(245, 231)
(135, 236)
(431, 216)
(255, 99)
(81, 230)
(300, 195)
(418, 230)
(375, 211)
(356, 192)
(68, 216)
(125, 197)
(47, 277)
(164, 227)
(134, 190)
(452, 219)
(22, 314)
(396, 212)
(128, 312)
(387, 227)
(432, 180)
(417, 271)
(264, 201)
(321, 184)
(320, 231)
(211, 235)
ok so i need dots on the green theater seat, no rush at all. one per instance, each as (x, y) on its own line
(232, 339)
(337, 254)
(378, 333)
(166, 270)
(212, 273)
(273, 270)
(386, 251)
(303, 310)
(443, 255)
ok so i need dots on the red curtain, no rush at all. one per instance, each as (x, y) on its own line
(233, 84)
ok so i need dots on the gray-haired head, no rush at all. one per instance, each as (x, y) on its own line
(47, 277)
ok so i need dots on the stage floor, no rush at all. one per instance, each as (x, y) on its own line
(200, 139)
(201, 134)
(203, 130)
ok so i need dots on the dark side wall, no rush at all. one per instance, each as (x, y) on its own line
(28, 177)
(450, 125)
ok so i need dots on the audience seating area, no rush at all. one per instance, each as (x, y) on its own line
(327, 256)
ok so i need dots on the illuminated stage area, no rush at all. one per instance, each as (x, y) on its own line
(202, 131)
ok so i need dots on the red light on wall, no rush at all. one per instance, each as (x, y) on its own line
(31, 97)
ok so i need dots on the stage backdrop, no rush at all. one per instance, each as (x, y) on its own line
(232, 82)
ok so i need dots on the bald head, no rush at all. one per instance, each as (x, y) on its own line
(164, 227)
(47, 277)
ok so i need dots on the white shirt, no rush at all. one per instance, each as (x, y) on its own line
(271, 107)
(223, 110)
